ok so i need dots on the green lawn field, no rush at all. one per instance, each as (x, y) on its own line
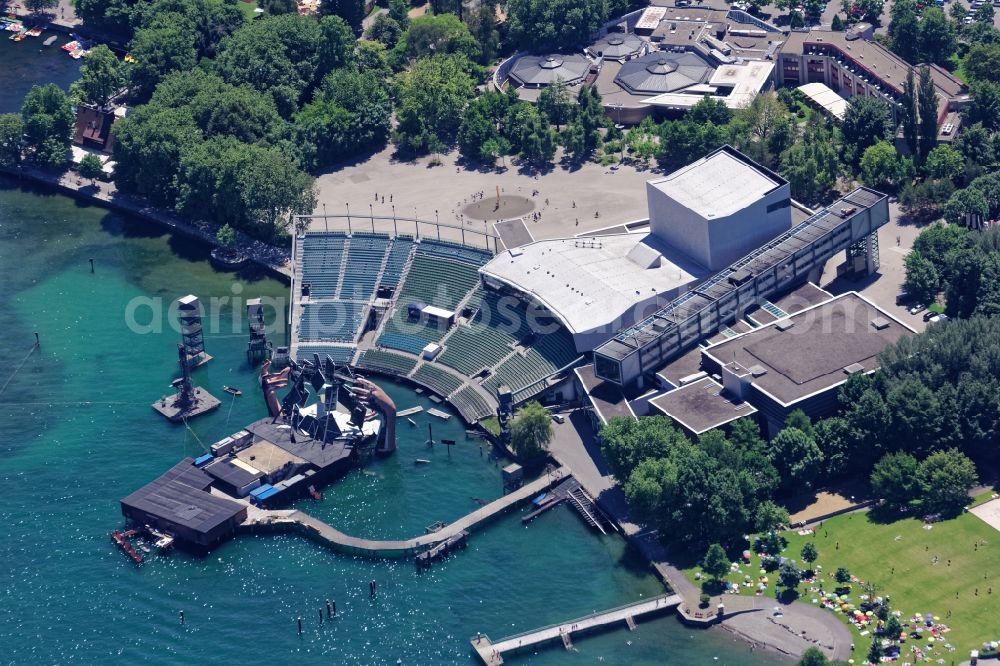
(954, 567)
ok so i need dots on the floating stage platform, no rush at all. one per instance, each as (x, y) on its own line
(174, 408)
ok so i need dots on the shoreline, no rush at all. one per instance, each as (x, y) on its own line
(277, 264)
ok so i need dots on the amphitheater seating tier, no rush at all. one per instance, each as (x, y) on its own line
(489, 337)
(440, 381)
(336, 321)
(399, 254)
(387, 362)
(547, 354)
(322, 255)
(364, 262)
(434, 281)
(342, 355)
(470, 404)
(455, 251)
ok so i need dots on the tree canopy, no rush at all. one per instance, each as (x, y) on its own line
(531, 430)
(554, 25)
(48, 124)
(431, 97)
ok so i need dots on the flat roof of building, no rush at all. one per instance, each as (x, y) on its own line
(701, 406)
(180, 497)
(718, 184)
(796, 300)
(825, 98)
(233, 471)
(810, 351)
(608, 400)
(590, 282)
(541, 70)
(304, 447)
(267, 457)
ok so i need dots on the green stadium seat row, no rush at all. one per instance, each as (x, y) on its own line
(474, 256)
(440, 381)
(387, 362)
(342, 355)
(336, 321)
(470, 404)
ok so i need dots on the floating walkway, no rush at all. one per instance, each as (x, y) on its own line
(285, 520)
(492, 653)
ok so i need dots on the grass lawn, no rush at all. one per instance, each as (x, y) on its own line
(247, 8)
(911, 566)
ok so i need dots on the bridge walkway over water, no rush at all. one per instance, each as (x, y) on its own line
(317, 529)
(492, 653)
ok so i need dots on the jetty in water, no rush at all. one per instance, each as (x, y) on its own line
(491, 653)
(293, 520)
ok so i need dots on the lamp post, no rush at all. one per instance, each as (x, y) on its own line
(325, 225)
(348, 217)
(371, 212)
(394, 232)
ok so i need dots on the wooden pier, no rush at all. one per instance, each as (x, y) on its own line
(491, 653)
(264, 519)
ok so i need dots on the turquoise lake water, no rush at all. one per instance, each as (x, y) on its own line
(77, 433)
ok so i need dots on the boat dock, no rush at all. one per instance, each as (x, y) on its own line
(491, 653)
(570, 490)
(410, 411)
(264, 519)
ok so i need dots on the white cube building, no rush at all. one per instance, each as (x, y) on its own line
(719, 208)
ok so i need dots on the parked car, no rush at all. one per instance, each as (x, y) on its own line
(559, 418)
(930, 314)
(919, 307)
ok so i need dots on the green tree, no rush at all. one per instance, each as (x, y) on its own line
(275, 7)
(866, 122)
(352, 11)
(226, 237)
(48, 124)
(554, 25)
(537, 140)
(985, 13)
(965, 203)
(770, 516)
(982, 61)
(554, 103)
(372, 57)
(531, 430)
(909, 116)
(813, 657)
(789, 576)
(944, 162)
(627, 442)
(336, 46)
(842, 575)
(904, 30)
(837, 24)
(38, 6)
(431, 98)
(883, 167)
(922, 279)
(797, 458)
(482, 24)
(165, 46)
(811, 165)
(110, 17)
(809, 552)
(277, 55)
(927, 103)
(894, 479)
(798, 419)
(399, 11)
(90, 167)
(432, 35)
(985, 105)
(148, 143)
(385, 30)
(11, 138)
(101, 76)
(957, 11)
(937, 36)
(945, 478)
(876, 652)
(710, 110)
(715, 563)
(476, 132)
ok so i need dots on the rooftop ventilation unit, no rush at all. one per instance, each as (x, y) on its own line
(737, 278)
(880, 323)
(854, 368)
(784, 325)
(757, 370)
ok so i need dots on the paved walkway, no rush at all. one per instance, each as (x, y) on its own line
(492, 653)
(275, 259)
(401, 548)
(798, 627)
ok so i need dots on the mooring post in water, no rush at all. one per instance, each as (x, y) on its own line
(334, 607)
(300, 626)
(182, 617)
(91, 264)
(38, 343)
(328, 608)
(321, 616)
(372, 588)
(430, 434)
